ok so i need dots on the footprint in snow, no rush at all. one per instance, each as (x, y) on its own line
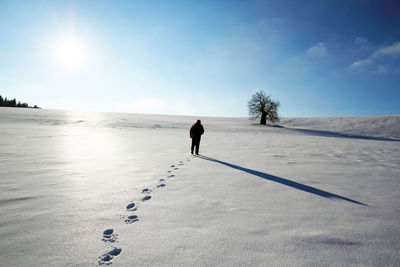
(107, 257)
(145, 198)
(171, 176)
(172, 166)
(278, 156)
(160, 185)
(181, 163)
(169, 171)
(176, 169)
(131, 219)
(131, 207)
(162, 180)
(146, 190)
(109, 236)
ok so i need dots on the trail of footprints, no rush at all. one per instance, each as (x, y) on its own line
(109, 235)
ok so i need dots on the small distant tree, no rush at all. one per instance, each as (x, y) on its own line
(263, 107)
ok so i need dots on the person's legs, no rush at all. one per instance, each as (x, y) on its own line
(197, 145)
(193, 144)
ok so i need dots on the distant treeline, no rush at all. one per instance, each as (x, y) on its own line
(4, 102)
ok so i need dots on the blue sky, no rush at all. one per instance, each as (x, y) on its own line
(318, 58)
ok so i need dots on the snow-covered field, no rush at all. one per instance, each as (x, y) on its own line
(81, 189)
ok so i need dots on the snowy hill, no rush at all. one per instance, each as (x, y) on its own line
(379, 126)
(99, 188)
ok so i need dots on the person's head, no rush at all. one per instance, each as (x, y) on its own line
(198, 121)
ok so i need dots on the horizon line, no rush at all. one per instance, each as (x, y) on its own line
(209, 116)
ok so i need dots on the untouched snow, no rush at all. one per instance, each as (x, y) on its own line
(379, 126)
(85, 189)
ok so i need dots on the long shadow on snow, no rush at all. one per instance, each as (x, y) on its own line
(284, 181)
(338, 134)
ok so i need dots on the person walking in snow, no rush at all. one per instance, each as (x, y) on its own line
(195, 133)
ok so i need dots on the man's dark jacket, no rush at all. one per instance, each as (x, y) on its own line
(196, 131)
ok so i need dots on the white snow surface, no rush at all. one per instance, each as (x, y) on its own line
(83, 189)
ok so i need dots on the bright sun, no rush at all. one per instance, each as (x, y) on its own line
(71, 53)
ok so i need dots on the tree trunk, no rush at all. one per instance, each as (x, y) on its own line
(263, 120)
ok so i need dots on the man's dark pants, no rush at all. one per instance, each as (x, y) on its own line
(196, 144)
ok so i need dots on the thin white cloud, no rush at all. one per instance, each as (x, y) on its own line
(393, 49)
(379, 70)
(379, 55)
(318, 50)
(361, 41)
(361, 63)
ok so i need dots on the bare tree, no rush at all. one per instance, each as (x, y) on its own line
(262, 106)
